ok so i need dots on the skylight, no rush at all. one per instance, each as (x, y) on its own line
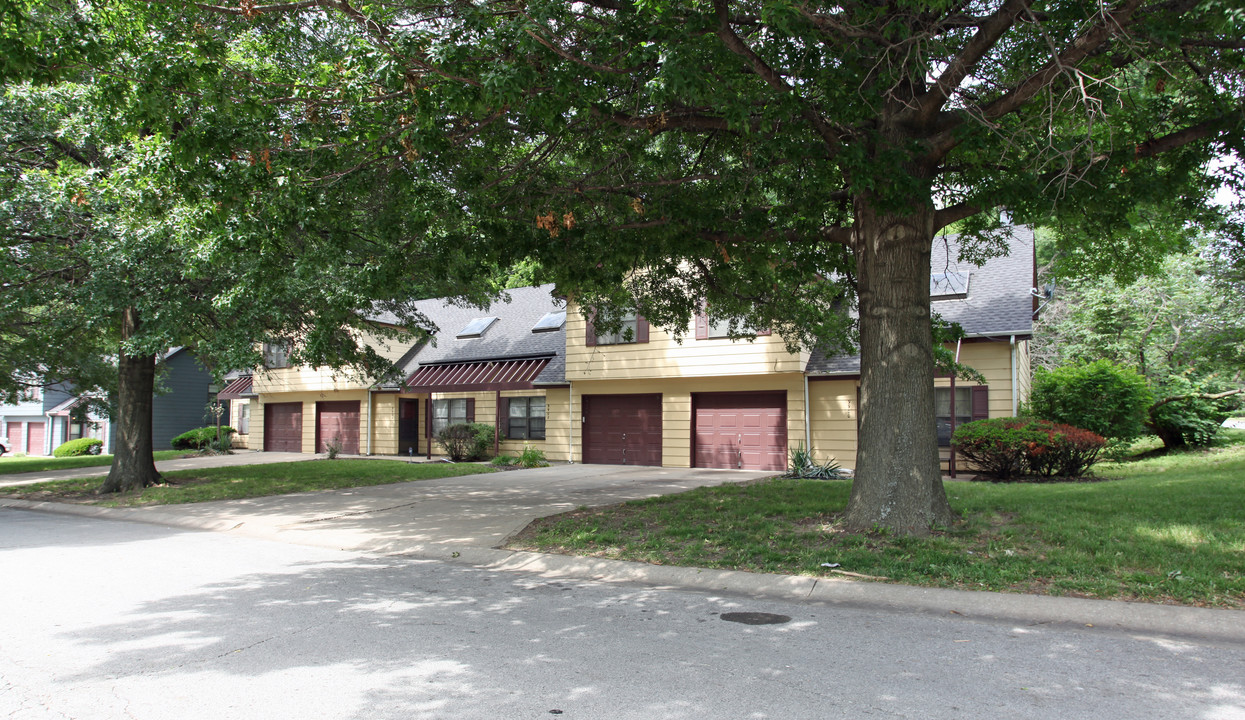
(948, 286)
(550, 322)
(476, 328)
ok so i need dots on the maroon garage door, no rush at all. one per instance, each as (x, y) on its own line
(283, 427)
(622, 429)
(34, 438)
(338, 420)
(740, 431)
(14, 433)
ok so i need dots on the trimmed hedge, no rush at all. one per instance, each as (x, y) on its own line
(81, 446)
(1009, 449)
(203, 437)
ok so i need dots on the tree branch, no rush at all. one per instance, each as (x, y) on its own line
(988, 34)
(1199, 396)
(736, 45)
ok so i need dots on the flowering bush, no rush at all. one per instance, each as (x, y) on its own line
(1011, 448)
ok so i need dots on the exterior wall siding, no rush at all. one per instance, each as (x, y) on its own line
(663, 357)
(184, 404)
(834, 407)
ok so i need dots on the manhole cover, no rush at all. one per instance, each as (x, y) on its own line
(755, 618)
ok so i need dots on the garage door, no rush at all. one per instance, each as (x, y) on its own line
(622, 429)
(744, 431)
(338, 420)
(283, 427)
(34, 438)
(14, 433)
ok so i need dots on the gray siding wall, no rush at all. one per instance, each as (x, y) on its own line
(182, 406)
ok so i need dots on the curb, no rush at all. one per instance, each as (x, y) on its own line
(1203, 624)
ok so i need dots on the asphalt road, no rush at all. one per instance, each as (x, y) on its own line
(110, 619)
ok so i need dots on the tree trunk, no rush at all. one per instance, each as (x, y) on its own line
(898, 483)
(133, 465)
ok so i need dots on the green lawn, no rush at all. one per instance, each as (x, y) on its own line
(10, 464)
(247, 481)
(1162, 529)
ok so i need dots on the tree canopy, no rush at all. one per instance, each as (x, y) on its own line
(138, 215)
(778, 161)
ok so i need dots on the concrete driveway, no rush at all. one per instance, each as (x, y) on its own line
(473, 511)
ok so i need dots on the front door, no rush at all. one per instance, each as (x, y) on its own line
(408, 427)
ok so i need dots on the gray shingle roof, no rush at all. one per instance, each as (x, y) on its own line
(998, 301)
(511, 336)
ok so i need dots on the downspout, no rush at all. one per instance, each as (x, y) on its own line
(808, 420)
(371, 420)
(951, 444)
(1015, 390)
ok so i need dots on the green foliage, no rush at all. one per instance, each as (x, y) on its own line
(81, 446)
(1189, 418)
(802, 464)
(204, 437)
(532, 457)
(467, 441)
(1009, 449)
(1100, 396)
(998, 447)
(333, 448)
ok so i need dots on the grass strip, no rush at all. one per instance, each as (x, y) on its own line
(247, 481)
(10, 465)
(1163, 529)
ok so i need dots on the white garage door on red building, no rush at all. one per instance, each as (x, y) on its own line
(740, 431)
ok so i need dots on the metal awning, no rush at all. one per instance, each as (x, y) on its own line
(237, 389)
(478, 375)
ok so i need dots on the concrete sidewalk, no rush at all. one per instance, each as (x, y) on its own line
(240, 457)
(465, 519)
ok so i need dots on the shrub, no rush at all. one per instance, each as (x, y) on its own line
(1068, 452)
(1011, 448)
(204, 437)
(1101, 397)
(81, 446)
(803, 465)
(532, 457)
(999, 446)
(466, 441)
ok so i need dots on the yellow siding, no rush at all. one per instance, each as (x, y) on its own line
(384, 424)
(994, 361)
(1024, 370)
(557, 425)
(308, 400)
(833, 405)
(676, 416)
(662, 357)
(306, 379)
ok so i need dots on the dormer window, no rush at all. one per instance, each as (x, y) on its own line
(948, 286)
(476, 328)
(550, 322)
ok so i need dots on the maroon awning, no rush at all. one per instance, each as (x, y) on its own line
(479, 375)
(237, 389)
